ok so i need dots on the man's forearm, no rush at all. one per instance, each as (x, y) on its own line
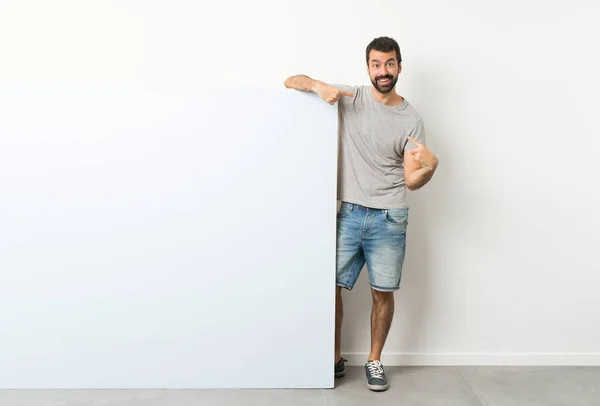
(301, 82)
(420, 177)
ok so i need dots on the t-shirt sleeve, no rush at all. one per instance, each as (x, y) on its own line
(417, 133)
(345, 88)
(345, 101)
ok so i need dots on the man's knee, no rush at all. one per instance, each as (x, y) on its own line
(338, 302)
(381, 297)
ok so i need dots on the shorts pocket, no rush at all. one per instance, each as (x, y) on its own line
(396, 217)
(344, 210)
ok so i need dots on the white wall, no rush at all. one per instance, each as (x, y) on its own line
(500, 265)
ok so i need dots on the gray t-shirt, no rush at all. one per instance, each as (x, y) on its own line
(372, 141)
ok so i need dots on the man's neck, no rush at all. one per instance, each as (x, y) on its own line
(389, 99)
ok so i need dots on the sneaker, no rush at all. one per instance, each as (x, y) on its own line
(339, 368)
(376, 380)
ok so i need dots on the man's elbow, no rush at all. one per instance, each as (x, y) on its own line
(411, 186)
(292, 81)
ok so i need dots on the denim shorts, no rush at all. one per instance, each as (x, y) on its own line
(376, 237)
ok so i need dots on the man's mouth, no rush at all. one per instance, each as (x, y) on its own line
(384, 81)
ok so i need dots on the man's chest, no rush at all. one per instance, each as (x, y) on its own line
(376, 135)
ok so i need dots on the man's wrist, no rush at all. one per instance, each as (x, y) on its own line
(315, 85)
(430, 165)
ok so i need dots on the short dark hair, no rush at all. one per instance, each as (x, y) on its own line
(384, 44)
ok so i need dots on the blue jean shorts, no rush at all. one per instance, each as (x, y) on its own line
(375, 237)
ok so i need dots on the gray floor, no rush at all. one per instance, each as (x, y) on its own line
(427, 386)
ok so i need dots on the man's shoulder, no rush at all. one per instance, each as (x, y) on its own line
(412, 112)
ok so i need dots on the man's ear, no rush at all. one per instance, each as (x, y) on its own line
(399, 68)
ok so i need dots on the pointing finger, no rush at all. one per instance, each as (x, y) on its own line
(349, 94)
(418, 144)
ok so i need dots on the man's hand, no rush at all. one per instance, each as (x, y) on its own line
(329, 93)
(422, 155)
(419, 165)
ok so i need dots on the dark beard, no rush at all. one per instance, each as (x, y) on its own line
(389, 87)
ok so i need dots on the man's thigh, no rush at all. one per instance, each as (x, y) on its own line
(385, 247)
(350, 257)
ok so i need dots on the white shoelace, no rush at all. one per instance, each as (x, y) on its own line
(376, 369)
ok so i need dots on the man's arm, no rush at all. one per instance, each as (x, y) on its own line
(300, 82)
(419, 166)
(327, 92)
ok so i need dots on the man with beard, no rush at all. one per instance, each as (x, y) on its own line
(382, 152)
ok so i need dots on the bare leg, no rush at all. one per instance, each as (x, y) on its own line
(338, 322)
(381, 320)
